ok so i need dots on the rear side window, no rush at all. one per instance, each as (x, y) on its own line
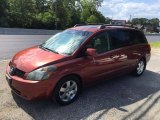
(119, 38)
(137, 37)
(122, 38)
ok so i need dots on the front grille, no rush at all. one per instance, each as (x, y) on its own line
(19, 73)
(16, 72)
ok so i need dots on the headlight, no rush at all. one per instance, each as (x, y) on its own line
(41, 73)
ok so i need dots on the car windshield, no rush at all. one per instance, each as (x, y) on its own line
(66, 42)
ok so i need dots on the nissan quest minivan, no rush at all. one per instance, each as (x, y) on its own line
(75, 58)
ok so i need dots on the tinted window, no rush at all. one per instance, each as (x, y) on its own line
(137, 37)
(141, 38)
(100, 42)
(119, 38)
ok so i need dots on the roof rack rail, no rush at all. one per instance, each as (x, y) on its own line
(126, 25)
(88, 24)
(79, 25)
(103, 26)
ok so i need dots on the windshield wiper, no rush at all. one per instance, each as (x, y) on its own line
(45, 48)
(52, 50)
(64, 53)
(42, 47)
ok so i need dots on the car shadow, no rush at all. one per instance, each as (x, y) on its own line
(115, 93)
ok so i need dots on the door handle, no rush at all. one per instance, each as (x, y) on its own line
(115, 57)
(95, 61)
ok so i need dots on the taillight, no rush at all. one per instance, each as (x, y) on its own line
(149, 47)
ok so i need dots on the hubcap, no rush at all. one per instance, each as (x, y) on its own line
(68, 91)
(140, 67)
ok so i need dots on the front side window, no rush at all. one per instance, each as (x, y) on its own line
(66, 42)
(100, 42)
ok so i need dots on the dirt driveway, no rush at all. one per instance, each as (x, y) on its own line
(122, 98)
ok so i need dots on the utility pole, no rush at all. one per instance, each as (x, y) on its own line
(130, 18)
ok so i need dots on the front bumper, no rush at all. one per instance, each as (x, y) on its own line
(29, 90)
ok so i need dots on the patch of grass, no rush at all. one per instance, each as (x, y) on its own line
(155, 44)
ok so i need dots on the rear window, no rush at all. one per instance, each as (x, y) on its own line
(137, 37)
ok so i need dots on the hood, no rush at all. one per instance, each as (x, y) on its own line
(32, 58)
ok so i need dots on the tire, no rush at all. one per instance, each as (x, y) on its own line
(67, 90)
(141, 66)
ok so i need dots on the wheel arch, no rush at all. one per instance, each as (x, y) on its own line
(72, 74)
(143, 58)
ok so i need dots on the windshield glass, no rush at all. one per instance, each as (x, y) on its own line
(66, 42)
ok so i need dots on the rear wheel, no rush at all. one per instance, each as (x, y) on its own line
(67, 90)
(141, 65)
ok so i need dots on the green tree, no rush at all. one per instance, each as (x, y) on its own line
(44, 20)
(154, 22)
(21, 13)
(85, 14)
(49, 14)
(141, 21)
(145, 21)
(92, 19)
(90, 11)
(60, 13)
(3, 13)
(108, 20)
(42, 5)
(72, 12)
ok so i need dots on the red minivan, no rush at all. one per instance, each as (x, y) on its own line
(75, 58)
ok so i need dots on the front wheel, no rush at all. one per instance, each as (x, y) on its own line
(67, 90)
(140, 67)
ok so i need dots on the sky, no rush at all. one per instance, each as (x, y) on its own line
(123, 9)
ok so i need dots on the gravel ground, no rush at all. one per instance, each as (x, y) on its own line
(123, 98)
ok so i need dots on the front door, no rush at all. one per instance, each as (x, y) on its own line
(105, 62)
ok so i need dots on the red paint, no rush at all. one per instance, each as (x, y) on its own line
(91, 52)
(89, 68)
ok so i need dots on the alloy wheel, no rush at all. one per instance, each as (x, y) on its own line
(140, 67)
(68, 91)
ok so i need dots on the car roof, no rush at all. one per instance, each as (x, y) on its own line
(95, 28)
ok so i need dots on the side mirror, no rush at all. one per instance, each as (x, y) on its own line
(91, 52)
